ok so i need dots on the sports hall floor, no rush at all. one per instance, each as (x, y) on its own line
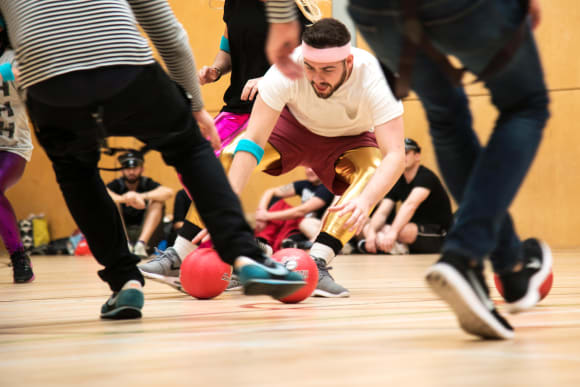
(391, 332)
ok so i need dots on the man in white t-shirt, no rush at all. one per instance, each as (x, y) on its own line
(325, 121)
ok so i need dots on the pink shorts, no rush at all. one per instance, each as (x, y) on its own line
(229, 125)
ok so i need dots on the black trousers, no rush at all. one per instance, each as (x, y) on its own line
(155, 110)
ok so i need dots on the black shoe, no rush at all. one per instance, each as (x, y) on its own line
(289, 244)
(464, 289)
(296, 241)
(361, 247)
(264, 246)
(22, 267)
(521, 290)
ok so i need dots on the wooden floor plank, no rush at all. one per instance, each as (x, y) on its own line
(392, 330)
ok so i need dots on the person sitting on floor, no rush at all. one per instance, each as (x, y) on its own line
(284, 226)
(423, 219)
(142, 203)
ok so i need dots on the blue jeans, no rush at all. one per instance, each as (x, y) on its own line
(483, 179)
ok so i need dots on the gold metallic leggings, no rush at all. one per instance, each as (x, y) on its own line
(355, 167)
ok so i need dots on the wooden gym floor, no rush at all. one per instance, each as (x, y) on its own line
(390, 332)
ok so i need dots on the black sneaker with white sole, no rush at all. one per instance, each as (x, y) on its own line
(521, 290)
(464, 289)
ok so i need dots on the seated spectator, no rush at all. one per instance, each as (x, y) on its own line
(420, 225)
(141, 201)
(283, 226)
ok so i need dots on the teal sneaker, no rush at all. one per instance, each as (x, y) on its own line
(267, 277)
(124, 304)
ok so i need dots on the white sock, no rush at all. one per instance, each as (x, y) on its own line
(183, 247)
(318, 250)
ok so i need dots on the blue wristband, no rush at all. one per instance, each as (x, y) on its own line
(225, 44)
(6, 72)
(251, 147)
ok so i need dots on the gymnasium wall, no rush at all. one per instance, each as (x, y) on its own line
(547, 205)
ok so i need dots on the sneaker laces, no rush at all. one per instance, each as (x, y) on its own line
(323, 268)
(161, 255)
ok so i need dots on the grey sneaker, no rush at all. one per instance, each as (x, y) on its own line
(234, 284)
(164, 268)
(326, 286)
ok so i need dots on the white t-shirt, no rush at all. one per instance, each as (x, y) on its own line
(361, 103)
(14, 131)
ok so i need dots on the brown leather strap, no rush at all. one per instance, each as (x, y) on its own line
(502, 58)
(414, 38)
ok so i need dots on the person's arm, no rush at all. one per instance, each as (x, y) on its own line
(535, 12)
(116, 197)
(312, 204)
(262, 122)
(377, 221)
(380, 215)
(222, 64)
(283, 36)
(404, 215)
(284, 191)
(390, 138)
(171, 41)
(159, 194)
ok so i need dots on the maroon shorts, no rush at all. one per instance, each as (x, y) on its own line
(299, 146)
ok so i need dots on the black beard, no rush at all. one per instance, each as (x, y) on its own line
(133, 181)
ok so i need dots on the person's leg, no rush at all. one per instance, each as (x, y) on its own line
(11, 170)
(428, 239)
(408, 234)
(68, 135)
(310, 227)
(272, 230)
(194, 223)
(76, 171)
(518, 92)
(229, 126)
(456, 145)
(151, 221)
(175, 134)
(355, 167)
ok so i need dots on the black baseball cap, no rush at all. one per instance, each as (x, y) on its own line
(131, 159)
(411, 144)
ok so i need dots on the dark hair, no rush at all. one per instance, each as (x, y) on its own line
(326, 33)
(411, 144)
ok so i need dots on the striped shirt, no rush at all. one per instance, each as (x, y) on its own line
(55, 37)
(281, 11)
